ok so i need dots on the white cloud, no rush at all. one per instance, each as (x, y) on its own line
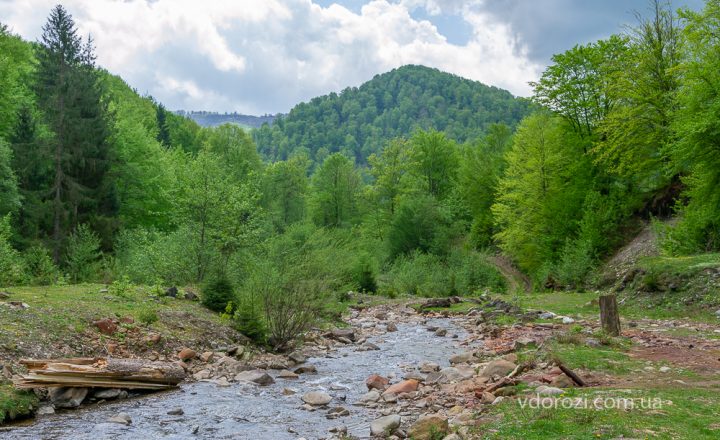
(260, 56)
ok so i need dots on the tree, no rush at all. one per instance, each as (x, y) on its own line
(576, 84)
(16, 65)
(436, 161)
(70, 95)
(336, 187)
(542, 190)
(285, 189)
(9, 196)
(237, 150)
(391, 170)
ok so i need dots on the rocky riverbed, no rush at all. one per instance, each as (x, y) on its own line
(391, 372)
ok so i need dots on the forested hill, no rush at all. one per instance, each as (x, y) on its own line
(359, 121)
(215, 119)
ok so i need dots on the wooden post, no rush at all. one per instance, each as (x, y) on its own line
(609, 316)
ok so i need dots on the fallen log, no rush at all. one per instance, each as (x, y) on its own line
(100, 372)
(575, 378)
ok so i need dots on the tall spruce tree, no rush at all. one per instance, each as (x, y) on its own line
(69, 93)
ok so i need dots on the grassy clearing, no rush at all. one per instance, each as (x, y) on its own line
(15, 404)
(669, 413)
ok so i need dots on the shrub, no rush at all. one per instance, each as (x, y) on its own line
(420, 225)
(122, 287)
(40, 267)
(217, 293)
(248, 321)
(147, 316)
(12, 267)
(83, 254)
(365, 273)
(577, 260)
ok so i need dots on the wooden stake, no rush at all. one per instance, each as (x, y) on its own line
(609, 316)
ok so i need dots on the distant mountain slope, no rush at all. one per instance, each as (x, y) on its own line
(213, 119)
(360, 120)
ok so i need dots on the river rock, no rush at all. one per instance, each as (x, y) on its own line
(487, 398)
(45, 410)
(462, 358)
(385, 425)
(562, 381)
(441, 332)
(336, 412)
(377, 382)
(67, 397)
(176, 412)
(523, 343)
(122, 418)
(345, 333)
(202, 375)
(498, 367)
(207, 356)
(297, 357)
(287, 374)
(107, 394)
(370, 396)
(305, 369)
(186, 354)
(429, 427)
(429, 367)
(316, 398)
(259, 377)
(391, 327)
(406, 386)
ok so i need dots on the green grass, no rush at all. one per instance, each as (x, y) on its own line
(680, 265)
(15, 404)
(612, 360)
(682, 415)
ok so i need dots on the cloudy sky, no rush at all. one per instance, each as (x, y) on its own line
(264, 56)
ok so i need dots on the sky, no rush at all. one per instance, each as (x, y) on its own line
(265, 56)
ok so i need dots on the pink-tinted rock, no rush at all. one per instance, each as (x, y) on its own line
(106, 326)
(377, 382)
(406, 386)
(186, 354)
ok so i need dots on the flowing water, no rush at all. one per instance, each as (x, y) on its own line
(244, 411)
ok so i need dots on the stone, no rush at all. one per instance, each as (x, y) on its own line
(106, 326)
(429, 427)
(487, 398)
(172, 292)
(449, 374)
(112, 348)
(336, 412)
(202, 375)
(287, 374)
(391, 327)
(222, 382)
(191, 296)
(567, 320)
(127, 320)
(377, 382)
(207, 356)
(385, 425)
(547, 315)
(176, 412)
(511, 357)
(316, 398)
(122, 418)
(406, 386)
(498, 367)
(346, 333)
(414, 375)
(562, 381)
(67, 397)
(665, 369)
(186, 354)
(548, 391)
(592, 342)
(429, 367)
(297, 357)
(4, 295)
(107, 394)
(497, 400)
(370, 396)
(369, 346)
(305, 369)
(45, 410)
(462, 358)
(260, 377)
(523, 343)
(452, 436)
(236, 350)
(441, 332)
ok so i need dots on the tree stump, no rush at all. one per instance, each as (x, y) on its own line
(609, 316)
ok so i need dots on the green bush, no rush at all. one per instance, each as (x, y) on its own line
(40, 267)
(83, 254)
(365, 273)
(249, 321)
(577, 260)
(12, 267)
(217, 293)
(147, 316)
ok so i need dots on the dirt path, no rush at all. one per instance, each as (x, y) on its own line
(517, 281)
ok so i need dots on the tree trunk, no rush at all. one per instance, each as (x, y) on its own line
(609, 316)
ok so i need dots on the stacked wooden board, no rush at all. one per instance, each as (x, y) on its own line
(100, 373)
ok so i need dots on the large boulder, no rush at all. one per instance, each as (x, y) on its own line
(260, 377)
(66, 397)
(462, 358)
(316, 398)
(106, 326)
(187, 354)
(343, 333)
(429, 427)
(498, 367)
(385, 425)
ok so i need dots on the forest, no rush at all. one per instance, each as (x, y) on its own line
(409, 185)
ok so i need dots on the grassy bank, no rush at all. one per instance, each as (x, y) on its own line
(15, 404)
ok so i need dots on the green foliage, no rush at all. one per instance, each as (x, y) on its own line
(82, 258)
(121, 287)
(249, 321)
(420, 224)
(336, 188)
(147, 316)
(360, 121)
(40, 267)
(217, 293)
(365, 273)
(12, 267)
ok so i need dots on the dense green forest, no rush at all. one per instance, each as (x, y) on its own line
(406, 185)
(361, 120)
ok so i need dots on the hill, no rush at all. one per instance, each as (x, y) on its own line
(360, 120)
(214, 119)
